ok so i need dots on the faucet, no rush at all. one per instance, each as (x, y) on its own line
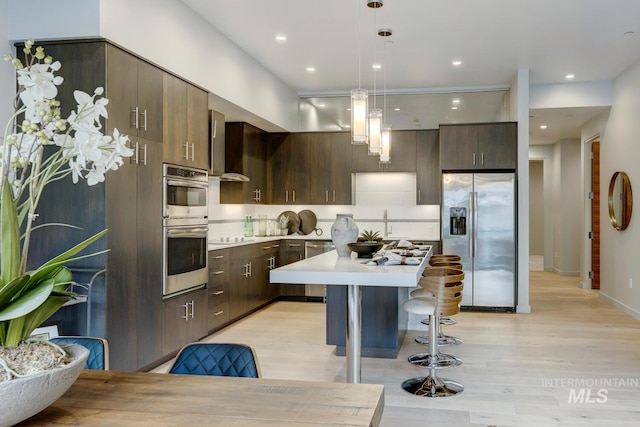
(386, 223)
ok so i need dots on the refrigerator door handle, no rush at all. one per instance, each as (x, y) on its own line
(471, 225)
(475, 224)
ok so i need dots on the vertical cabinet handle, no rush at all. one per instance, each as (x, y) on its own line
(186, 312)
(144, 150)
(286, 196)
(137, 153)
(326, 196)
(474, 159)
(334, 195)
(193, 152)
(144, 126)
(133, 123)
(186, 150)
(482, 158)
(294, 196)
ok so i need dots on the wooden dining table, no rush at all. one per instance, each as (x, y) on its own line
(113, 398)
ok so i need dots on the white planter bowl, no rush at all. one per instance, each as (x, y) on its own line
(24, 397)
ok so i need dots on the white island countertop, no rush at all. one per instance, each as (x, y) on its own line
(328, 268)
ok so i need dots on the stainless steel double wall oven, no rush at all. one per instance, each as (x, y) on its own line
(185, 227)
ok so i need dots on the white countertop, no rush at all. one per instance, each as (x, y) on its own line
(216, 244)
(328, 268)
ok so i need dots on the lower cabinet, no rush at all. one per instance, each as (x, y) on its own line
(249, 286)
(184, 320)
(218, 289)
(291, 251)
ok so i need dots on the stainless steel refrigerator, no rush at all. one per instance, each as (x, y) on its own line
(479, 224)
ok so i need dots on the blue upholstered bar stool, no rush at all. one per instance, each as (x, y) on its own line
(431, 385)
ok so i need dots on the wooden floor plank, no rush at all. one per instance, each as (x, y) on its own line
(516, 369)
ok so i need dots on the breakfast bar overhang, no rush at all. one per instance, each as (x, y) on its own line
(330, 269)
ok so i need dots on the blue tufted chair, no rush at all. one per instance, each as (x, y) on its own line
(228, 360)
(98, 350)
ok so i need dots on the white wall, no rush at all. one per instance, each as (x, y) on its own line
(7, 75)
(171, 35)
(373, 193)
(569, 208)
(620, 151)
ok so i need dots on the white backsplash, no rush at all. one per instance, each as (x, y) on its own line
(373, 193)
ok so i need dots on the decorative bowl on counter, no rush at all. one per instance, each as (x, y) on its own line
(365, 249)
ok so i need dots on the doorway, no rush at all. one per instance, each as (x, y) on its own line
(594, 195)
(536, 215)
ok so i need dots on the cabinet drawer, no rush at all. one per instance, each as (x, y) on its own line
(218, 294)
(218, 315)
(218, 267)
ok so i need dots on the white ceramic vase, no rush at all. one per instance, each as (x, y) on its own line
(344, 231)
(22, 398)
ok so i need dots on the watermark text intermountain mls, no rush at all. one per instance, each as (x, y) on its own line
(590, 390)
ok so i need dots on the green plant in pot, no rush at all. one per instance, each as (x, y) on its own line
(40, 147)
(370, 236)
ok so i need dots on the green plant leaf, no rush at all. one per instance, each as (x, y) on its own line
(64, 257)
(13, 288)
(27, 302)
(42, 313)
(9, 236)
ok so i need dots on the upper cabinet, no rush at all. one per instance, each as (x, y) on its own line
(245, 153)
(403, 155)
(310, 168)
(479, 146)
(185, 123)
(135, 95)
(288, 176)
(428, 167)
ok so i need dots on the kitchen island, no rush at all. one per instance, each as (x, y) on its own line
(352, 272)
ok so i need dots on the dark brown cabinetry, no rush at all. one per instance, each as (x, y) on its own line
(249, 286)
(329, 165)
(218, 289)
(289, 177)
(185, 123)
(403, 155)
(479, 146)
(127, 304)
(310, 168)
(217, 148)
(184, 320)
(245, 153)
(135, 95)
(291, 251)
(427, 167)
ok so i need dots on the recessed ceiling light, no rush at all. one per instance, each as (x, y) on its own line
(543, 126)
(376, 66)
(281, 38)
(321, 105)
(454, 108)
(311, 69)
(456, 101)
(349, 109)
(569, 76)
(396, 109)
(456, 63)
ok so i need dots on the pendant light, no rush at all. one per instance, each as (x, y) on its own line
(359, 104)
(375, 114)
(385, 140)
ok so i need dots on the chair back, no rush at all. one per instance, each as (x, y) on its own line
(98, 350)
(218, 359)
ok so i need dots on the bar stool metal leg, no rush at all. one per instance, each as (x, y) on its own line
(432, 386)
(433, 358)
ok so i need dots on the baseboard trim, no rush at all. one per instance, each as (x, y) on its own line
(630, 311)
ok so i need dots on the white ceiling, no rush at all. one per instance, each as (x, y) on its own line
(593, 39)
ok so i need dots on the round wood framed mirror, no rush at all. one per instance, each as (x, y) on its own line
(620, 200)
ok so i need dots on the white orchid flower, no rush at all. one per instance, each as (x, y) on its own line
(39, 81)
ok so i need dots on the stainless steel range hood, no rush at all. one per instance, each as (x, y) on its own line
(216, 159)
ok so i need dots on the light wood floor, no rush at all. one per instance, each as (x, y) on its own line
(519, 369)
